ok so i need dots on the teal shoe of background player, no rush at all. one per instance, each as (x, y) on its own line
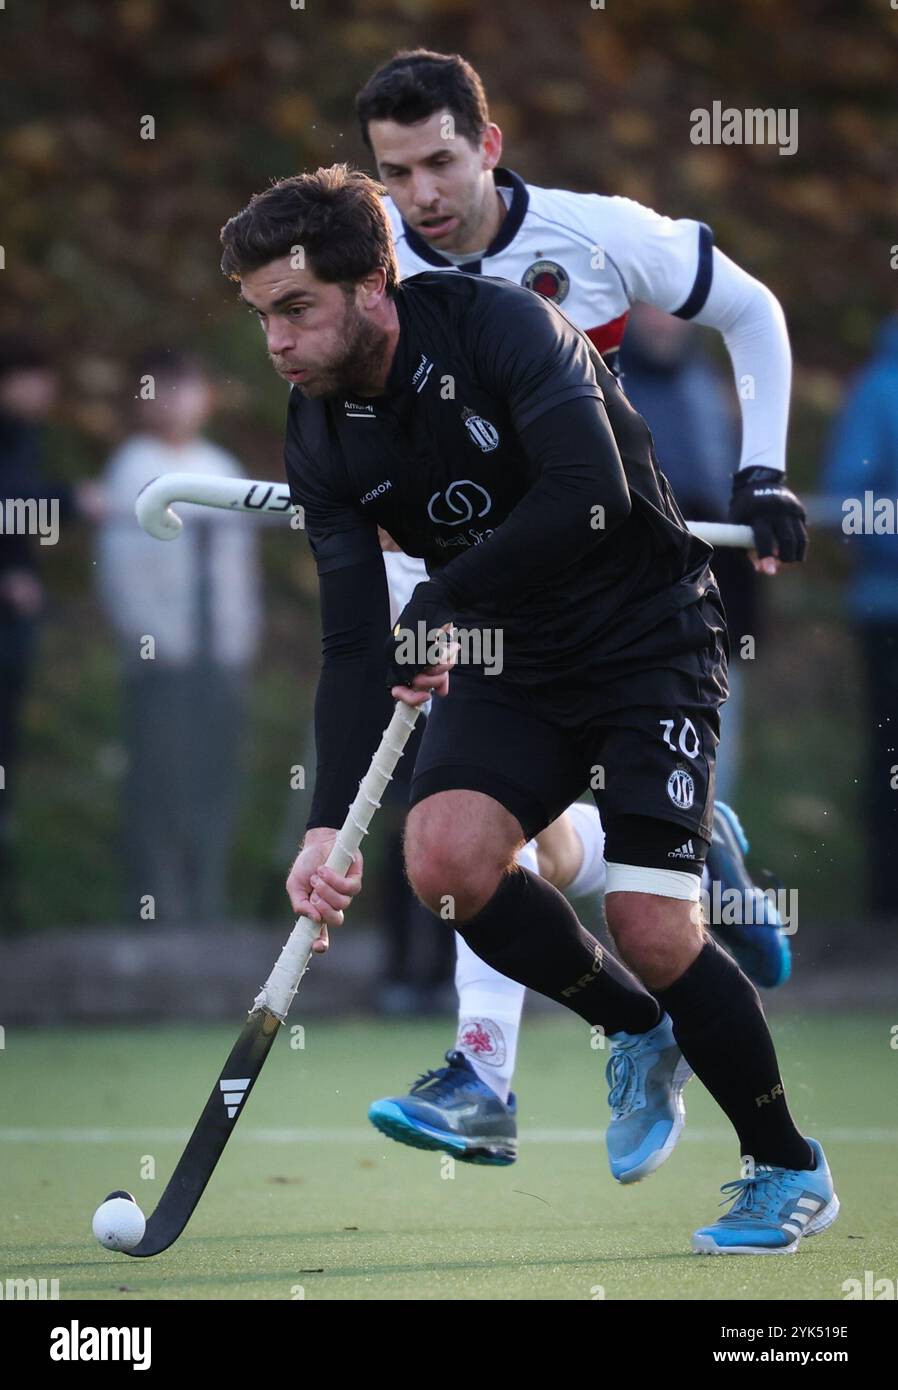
(757, 942)
(453, 1110)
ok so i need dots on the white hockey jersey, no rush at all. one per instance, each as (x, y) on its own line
(590, 254)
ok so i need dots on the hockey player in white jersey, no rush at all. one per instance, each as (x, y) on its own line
(425, 118)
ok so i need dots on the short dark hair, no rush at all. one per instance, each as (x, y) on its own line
(336, 215)
(416, 83)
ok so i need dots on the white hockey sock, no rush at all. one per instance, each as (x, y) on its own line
(590, 877)
(489, 1009)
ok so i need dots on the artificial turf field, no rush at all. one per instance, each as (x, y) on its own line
(309, 1201)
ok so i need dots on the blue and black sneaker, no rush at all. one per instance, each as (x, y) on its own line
(755, 939)
(453, 1110)
(772, 1210)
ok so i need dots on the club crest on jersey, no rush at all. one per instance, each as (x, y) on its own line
(549, 279)
(681, 789)
(484, 435)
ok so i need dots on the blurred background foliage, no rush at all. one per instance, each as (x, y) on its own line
(111, 243)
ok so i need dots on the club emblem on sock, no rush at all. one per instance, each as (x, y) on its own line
(483, 1039)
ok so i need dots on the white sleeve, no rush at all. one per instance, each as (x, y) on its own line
(662, 261)
(404, 574)
(674, 265)
(751, 321)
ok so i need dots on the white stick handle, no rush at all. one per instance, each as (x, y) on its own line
(277, 993)
(155, 514)
(722, 533)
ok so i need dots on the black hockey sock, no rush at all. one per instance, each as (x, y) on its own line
(530, 932)
(720, 1025)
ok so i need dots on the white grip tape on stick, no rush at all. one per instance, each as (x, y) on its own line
(277, 993)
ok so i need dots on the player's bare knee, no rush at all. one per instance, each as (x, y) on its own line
(453, 870)
(451, 890)
(449, 880)
(653, 932)
(632, 932)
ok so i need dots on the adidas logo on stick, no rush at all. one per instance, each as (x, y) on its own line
(233, 1093)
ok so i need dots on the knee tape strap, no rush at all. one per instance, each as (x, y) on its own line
(666, 883)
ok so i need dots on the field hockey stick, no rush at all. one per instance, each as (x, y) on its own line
(155, 514)
(269, 1011)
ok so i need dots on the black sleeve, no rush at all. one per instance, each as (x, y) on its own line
(352, 703)
(528, 353)
(579, 496)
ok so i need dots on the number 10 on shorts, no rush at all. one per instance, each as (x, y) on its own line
(688, 741)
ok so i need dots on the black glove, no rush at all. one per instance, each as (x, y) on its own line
(762, 501)
(407, 648)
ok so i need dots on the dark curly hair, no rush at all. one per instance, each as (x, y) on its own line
(335, 215)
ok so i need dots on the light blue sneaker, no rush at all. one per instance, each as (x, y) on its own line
(646, 1073)
(759, 945)
(772, 1211)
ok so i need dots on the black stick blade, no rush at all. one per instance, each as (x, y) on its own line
(213, 1130)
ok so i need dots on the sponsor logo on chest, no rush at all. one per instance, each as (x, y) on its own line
(422, 373)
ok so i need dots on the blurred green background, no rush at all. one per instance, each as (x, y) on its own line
(111, 242)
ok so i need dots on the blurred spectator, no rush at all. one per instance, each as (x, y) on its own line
(185, 690)
(682, 396)
(863, 456)
(28, 385)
